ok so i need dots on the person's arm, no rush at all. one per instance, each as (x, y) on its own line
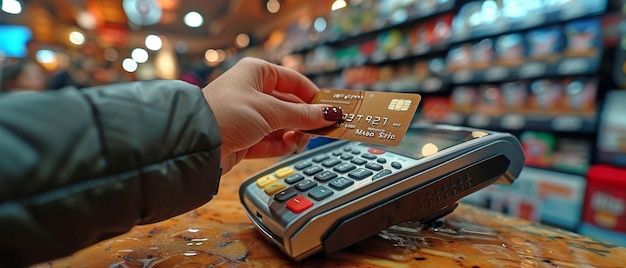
(77, 167)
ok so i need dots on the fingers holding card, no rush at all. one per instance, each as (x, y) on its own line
(369, 116)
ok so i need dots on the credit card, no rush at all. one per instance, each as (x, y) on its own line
(369, 116)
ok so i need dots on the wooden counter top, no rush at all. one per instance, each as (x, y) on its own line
(219, 234)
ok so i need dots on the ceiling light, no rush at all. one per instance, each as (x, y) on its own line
(77, 38)
(85, 20)
(142, 12)
(211, 55)
(273, 6)
(140, 55)
(45, 56)
(153, 42)
(338, 4)
(221, 55)
(129, 65)
(193, 19)
(319, 24)
(11, 6)
(242, 40)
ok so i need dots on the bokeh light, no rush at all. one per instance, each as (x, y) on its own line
(129, 65)
(139, 55)
(77, 38)
(153, 42)
(193, 19)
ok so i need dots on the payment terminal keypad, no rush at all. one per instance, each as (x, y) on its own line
(301, 185)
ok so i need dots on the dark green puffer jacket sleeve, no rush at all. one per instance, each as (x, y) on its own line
(77, 167)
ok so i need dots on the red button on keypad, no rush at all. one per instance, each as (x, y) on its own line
(375, 151)
(298, 204)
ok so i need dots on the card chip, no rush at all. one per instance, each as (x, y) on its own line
(401, 105)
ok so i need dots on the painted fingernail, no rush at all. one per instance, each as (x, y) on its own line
(332, 113)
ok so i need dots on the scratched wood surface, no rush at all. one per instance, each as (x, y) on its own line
(219, 234)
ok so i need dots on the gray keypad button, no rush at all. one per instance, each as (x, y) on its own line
(358, 161)
(325, 176)
(310, 171)
(368, 156)
(373, 166)
(344, 167)
(320, 192)
(320, 158)
(305, 185)
(285, 195)
(360, 173)
(302, 165)
(291, 179)
(396, 165)
(331, 162)
(346, 157)
(340, 183)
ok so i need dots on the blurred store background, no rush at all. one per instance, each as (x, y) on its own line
(552, 72)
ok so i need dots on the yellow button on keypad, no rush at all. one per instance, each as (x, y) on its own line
(265, 180)
(274, 187)
(284, 172)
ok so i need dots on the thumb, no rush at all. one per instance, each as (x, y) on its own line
(305, 116)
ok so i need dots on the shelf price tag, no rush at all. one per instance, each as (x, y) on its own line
(567, 123)
(513, 121)
(479, 120)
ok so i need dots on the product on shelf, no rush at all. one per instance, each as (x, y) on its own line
(572, 155)
(538, 148)
(612, 129)
(435, 109)
(546, 44)
(583, 38)
(439, 29)
(577, 8)
(515, 96)
(360, 77)
(465, 20)
(581, 95)
(483, 54)
(403, 79)
(417, 39)
(605, 204)
(510, 50)
(390, 44)
(464, 99)
(459, 57)
(425, 7)
(547, 95)
(489, 100)
(321, 58)
(538, 195)
(547, 150)
(366, 50)
(383, 74)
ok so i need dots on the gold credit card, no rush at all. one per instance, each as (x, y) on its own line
(369, 116)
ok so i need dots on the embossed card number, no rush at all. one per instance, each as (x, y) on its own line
(369, 116)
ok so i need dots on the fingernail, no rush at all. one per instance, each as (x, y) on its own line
(332, 113)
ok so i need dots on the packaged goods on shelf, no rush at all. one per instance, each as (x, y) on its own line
(605, 204)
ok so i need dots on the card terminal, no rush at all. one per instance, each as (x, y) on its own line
(339, 194)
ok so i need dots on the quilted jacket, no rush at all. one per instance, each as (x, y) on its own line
(80, 166)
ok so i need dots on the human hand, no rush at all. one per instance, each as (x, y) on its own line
(259, 106)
